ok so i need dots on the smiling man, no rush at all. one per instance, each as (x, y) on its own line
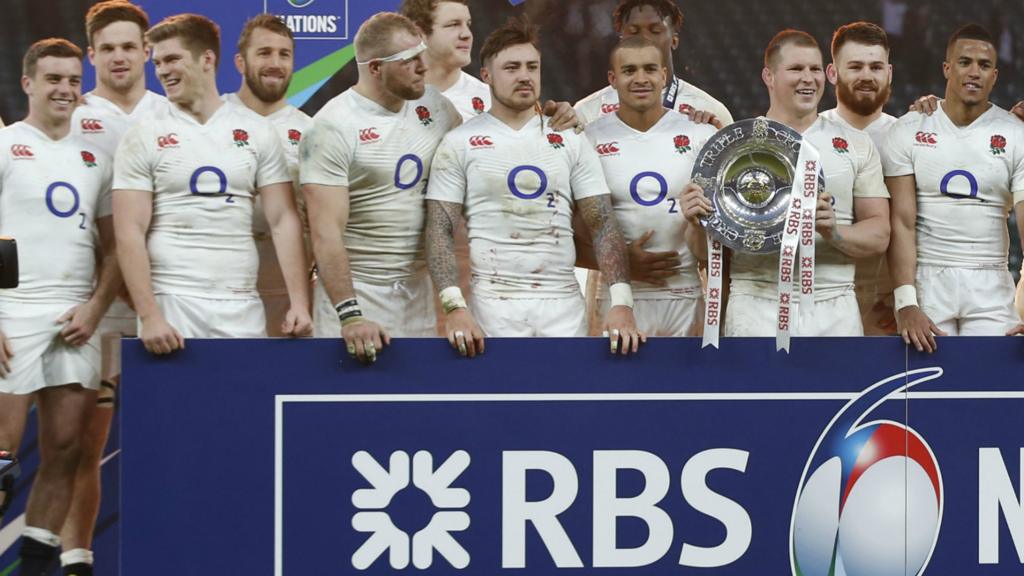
(266, 60)
(852, 218)
(954, 177)
(184, 187)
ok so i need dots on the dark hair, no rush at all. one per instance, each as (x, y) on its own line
(785, 38)
(422, 12)
(267, 22)
(859, 33)
(665, 8)
(198, 33)
(515, 31)
(106, 13)
(630, 43)
(970, 32)
(56, 47)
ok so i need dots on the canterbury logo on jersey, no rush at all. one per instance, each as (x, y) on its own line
(928, 138)
(167, 141)
(480, 141)
(609, 108)
(91, 125)
(607, 149)
(21, 151)
(368, 135)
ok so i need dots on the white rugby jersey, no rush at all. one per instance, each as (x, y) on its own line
(51, 193)
(878, 130)
(968, 180)
(384, 159)
(518, 189)
(470, 96)
(204, 178)
(103, 123)
(646, 172)
(606, 100)
(852, 170)
(290, 124)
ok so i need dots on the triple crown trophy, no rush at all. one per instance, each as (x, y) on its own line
(763, 181)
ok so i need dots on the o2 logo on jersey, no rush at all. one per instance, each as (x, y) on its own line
(402, 179)
(57, 203)
(634, 191)
(952, 184)
(541, 186)
(198, 185)
(871, 497)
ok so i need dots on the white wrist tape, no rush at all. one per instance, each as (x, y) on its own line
(622, 294)
(452, 299)
(904, 296)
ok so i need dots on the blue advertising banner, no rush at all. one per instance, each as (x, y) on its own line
(849, 457)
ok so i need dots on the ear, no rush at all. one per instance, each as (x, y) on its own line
(148, 50)
(239, 63)
(611, 78)
(831, 73)
(26, 84)
(675, 40)
(209, 60)
(91, 54)
(485, 76)
(945, 70)
(890, 74)
(767, 77)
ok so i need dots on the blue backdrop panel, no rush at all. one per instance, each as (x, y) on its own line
(310, 463)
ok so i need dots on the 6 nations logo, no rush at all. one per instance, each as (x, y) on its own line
(312, 19)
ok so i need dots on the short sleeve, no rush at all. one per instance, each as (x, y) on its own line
(1017, 178)
(587, 177)
(105, 203)
(132, 166)
(272, 165)
(869, 182)
(898, 158)
(324, 155)
(447, 175)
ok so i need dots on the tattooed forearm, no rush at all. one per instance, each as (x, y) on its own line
(609, 245)
(441, 244)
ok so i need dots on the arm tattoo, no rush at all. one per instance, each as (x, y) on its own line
(609, 245)
(441, 243)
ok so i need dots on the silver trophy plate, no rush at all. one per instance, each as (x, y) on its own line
(746, 169)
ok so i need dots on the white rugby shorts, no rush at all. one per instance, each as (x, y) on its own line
(42, 358)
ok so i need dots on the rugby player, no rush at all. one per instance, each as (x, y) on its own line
(954, 177)
(184, 186)
(55, 199)
(647, 153)
(527, 181)
(364, 167)
(266, 59)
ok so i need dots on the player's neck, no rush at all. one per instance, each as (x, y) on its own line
(794, 120)
(203, 107)
(514, 119)
(256, 105)
(382, 98)
(440, 76)
(641, 120)
(856, 120)
(960, 113)
(55, 129)
(126, 100)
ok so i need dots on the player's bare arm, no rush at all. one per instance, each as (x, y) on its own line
(133, 210)
(644, 266)
(327, 207)
(610, 249)
(460, 327)
(82, 320)
(6, 353)
(1019, 213)
(695, 207)
(286, 228)
(913, 324)
(870, 231)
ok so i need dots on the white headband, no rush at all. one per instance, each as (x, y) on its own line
(407, 54)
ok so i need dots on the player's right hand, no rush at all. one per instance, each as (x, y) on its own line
(695, 205)
(159, 337)
(6, 353)
(364, 339)
(916, 328)
(464, 334)
(703, 117)
(651, 267)
(926, 105)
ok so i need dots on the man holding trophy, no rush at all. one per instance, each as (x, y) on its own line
(850, 218)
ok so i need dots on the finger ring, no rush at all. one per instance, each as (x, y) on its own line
(615, 332)
(369, 346)
(459, 334)
(351, 349)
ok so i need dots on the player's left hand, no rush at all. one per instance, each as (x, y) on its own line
(651, 267)
(80, 323)
(1018, 330)
(703, 117)
(620, 327)
(297, 323)
(825, 216)
(1018, 109)
(926, 105)
(563, 117)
